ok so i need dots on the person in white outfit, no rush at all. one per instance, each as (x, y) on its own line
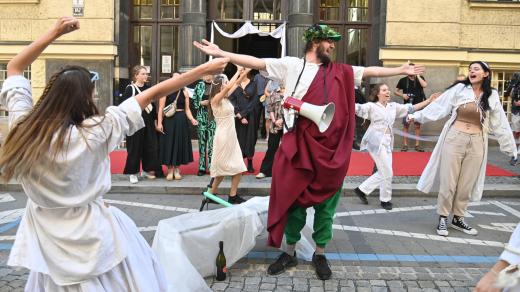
(505, 274)
(379, 140)
(69, 238)
(458, 162)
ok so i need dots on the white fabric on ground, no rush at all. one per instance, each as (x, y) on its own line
(139, 271)
(187, 245)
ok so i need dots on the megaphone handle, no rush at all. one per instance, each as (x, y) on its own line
(294, 123)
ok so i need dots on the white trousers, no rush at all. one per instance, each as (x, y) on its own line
(383, 177)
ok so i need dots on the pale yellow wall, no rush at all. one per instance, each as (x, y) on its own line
(452, 24)
(24, 22)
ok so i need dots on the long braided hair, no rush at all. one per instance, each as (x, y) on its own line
(66, 101)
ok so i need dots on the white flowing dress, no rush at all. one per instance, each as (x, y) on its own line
(67, 237)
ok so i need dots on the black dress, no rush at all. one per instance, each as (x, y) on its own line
(247, 103)
(142, 146)
(175, 145)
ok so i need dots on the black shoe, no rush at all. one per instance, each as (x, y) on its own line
(235, 199)
(355, 145)
(250, 168)
(322, 267)
(459, 224)
(283, 262)
(362, 196)
(387, 205)
(201, 172)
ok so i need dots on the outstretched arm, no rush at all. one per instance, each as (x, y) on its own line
(236, 79)
(405, 69)
(27, 56)
(239, 59)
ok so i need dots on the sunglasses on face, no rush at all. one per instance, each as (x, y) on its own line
(94, 76)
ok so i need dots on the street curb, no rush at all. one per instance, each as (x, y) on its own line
(261, 188)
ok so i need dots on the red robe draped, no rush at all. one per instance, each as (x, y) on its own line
(309, 167)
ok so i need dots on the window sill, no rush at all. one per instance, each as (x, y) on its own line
(19, 1)
(494, 5)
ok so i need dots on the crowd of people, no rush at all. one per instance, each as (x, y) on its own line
(72, 240)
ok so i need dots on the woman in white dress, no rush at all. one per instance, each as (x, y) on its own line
(227, 157)
(68, 237)
(379, 140)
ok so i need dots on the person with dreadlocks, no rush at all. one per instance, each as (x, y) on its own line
(206, 126)
(69, 238)
(458, 162)
(310, 166)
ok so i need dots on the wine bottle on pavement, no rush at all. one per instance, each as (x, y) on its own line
(221, 263)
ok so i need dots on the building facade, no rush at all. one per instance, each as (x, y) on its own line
(445, 35)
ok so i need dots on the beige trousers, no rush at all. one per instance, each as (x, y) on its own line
(461, 159)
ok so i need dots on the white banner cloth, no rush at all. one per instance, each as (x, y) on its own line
(249, 28)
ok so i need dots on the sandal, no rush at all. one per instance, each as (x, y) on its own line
(404, 148)
(419, 148)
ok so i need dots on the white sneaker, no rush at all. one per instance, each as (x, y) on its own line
(260, 175)
(133, 179)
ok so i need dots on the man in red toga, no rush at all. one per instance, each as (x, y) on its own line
(310, 166)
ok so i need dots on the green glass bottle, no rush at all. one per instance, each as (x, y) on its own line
(221, 263)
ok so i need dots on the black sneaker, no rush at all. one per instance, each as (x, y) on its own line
(442, 227)
(513, 161)
(235, 199)
(201, 172)
(459, 224)
(362, 196)
(283, 262)
(387, 205)
(322, 267)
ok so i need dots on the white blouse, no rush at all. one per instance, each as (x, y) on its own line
(66, 230)
(495, 123)
(381, 122)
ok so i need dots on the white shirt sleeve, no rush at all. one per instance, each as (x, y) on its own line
(16, 96)
(512, 252)
(402, 110)
(363, 110)
(440, 108)
(118, 122)
(277, 68)
(358, 75)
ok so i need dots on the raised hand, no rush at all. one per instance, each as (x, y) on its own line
(412, 69)
(216, 65)
(208, 48)
(65, 24)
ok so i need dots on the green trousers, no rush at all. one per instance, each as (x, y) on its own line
(323, 216)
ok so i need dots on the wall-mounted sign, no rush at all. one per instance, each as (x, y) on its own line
(166, 64)
(78, 7)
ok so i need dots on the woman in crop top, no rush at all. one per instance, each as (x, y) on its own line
(458, 162)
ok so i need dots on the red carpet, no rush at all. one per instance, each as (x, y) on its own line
(361, 164)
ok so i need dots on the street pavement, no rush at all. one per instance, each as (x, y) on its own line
(372, 249)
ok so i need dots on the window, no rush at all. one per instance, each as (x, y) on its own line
(350, 18)
(3, 76)
(170, 9)
(267, 10)
(143, 9)
(500, 81)
(230, 9)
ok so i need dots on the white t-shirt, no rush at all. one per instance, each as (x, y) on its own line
(287, 69)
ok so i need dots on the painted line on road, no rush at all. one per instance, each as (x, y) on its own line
(11, 215)
(506, 208)
(419, 235)
(396, 210)
(151, 206)
(10, 225)
(147, 228)
(487, 213)
(4, 198)
(387, 257)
